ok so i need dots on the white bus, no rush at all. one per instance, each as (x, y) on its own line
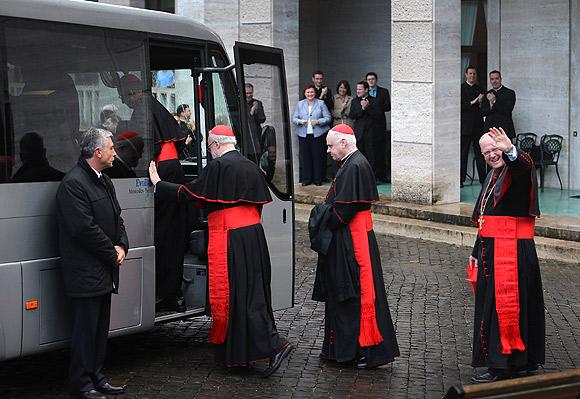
(61, 62)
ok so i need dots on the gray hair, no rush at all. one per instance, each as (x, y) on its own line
(349, 138)
(223, 139)
(484, 137)
(92, 139)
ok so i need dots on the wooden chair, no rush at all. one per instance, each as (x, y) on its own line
(560, 385)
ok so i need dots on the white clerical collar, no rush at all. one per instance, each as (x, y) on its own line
(348, 155)
(471, 84)
(499, 88)
(97, 172)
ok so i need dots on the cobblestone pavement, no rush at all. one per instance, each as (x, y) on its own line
(431, 305)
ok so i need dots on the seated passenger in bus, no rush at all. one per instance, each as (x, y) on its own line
(110, 118)
(35, 166)
(129, 147)
(268, 158)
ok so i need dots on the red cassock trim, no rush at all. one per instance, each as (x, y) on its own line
(359, 226)
(220, 223)
(168, 151)
(506, 230)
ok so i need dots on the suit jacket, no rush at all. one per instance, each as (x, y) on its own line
(319, 111)
(367, 122)
(384, 104)
(471, 118)
(252, 144)
(500, 115)
(90, 225)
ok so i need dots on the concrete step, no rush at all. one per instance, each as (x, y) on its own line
(547, 248)
(457, 214)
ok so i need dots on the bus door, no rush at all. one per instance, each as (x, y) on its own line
(265, 139)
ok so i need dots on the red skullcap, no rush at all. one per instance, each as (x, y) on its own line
(342, 129)
(128, 134)
(131, 81)
(222, 130)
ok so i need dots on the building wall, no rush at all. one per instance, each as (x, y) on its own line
(345, 40)
(425, 114)
(533, 52)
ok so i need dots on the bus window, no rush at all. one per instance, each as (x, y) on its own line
(172, 85)
(71, 89)
(226, 109)
(266, 134)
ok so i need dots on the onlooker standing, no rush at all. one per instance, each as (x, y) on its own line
(187, 126)
(312, 118)
(498, 106)
(471, 123)
(251, 146)
(93, 244)
(341, 104)
(381, 137)
(365, 112)
(165, 78)
(322, 92)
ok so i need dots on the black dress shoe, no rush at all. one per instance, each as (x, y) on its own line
(489, 376)
(306, 184)
(362, 364)
(92, 394)
(171, 305)
(109, 389)
(276, 360)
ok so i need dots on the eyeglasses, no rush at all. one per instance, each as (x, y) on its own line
(488, 153)
(210, 144)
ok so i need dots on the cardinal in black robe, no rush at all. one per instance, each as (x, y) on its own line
(509, 323)
(349, 278)
(170, 235)
(233, 190)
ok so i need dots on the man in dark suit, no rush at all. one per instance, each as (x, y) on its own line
(382, 137)
(325, 94)
(499, 106)
(93, 245)
(322, 92)
(252, 145)
(366, 113)
(471, 123)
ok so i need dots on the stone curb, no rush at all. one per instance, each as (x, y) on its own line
(547, 248)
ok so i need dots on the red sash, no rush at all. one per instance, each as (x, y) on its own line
(219, 223)
(168, 151)
(506, 230)
(359, 226)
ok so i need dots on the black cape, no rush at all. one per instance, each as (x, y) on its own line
(228, 181)
(337, 280)
(170, 235)
(515, 194)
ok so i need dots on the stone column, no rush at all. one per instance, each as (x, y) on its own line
(426, 43)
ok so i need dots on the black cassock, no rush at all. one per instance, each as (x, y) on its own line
(515, 194)
(227, 182)
(170, 234)
(338, 274)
